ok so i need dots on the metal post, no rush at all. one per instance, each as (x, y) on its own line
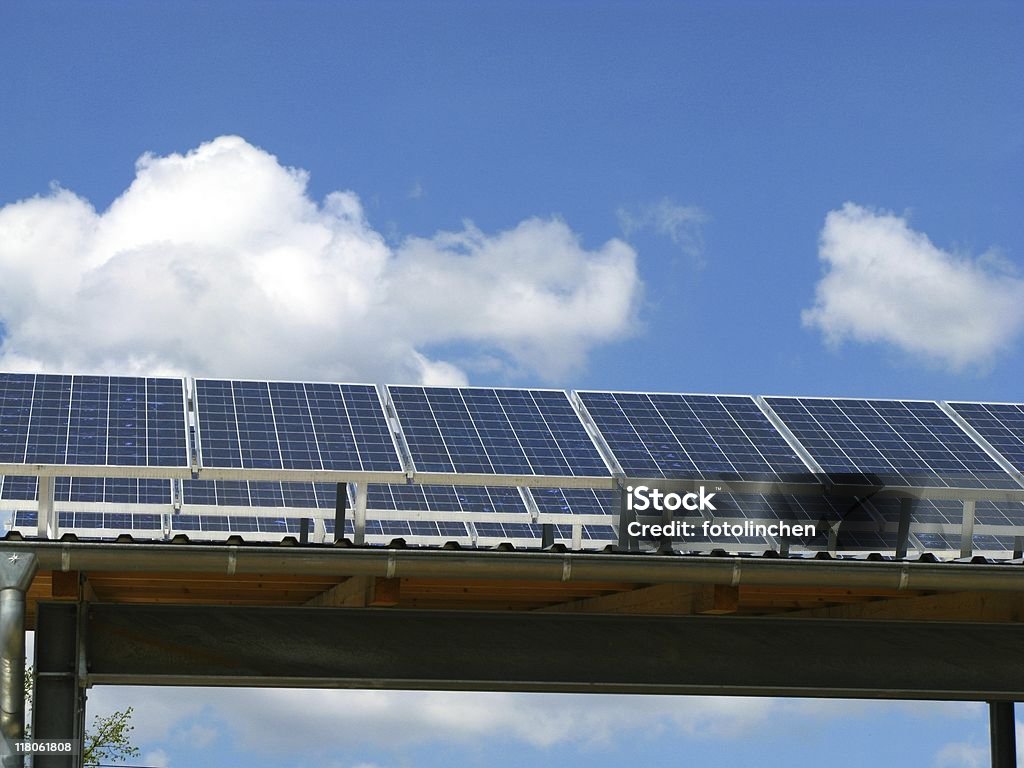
(547, 535)
(1001, 733)
(46, 518)
(304, 530)
(903, 532)
(626, 542)
(340, 502)
(59, 706)
(16, 573)
(967, 531)
(359, 518)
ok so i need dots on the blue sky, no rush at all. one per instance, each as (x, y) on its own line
(776, 198)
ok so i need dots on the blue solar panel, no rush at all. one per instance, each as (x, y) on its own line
(698, 437)
(443, 499)
(576, 501)
(112, 521)
(92, 421)
(282, 425)
(225, 525)
(110, 490)
(241, 493)
(1001, 424)
(495, 431)
(889, 442)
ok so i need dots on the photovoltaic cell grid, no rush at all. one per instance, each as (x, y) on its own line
(698, 437)
(470, 499)
(110, 490)
(576, 501)
(287, 425)
(92, 421)
(889, 442)
(129, 521)
(495, 431)
(1001, 424)
(943, 512)
(262, 493)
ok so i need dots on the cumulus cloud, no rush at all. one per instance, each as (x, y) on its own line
(885, 282)
(682, 224)
(217, 262)
(286, 720)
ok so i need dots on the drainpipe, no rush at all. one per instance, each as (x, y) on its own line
(17, 570)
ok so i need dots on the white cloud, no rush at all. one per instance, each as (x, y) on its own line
(217, 262)
(885, 282)
(682, 224)
(283, 720)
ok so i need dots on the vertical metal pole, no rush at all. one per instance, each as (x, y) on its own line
(304, 530)
(626, 542)
(967, 530)
(547, 535)
(903, 532)
(577, 536)
(340, 503)
(1001, 732)
(359, 518)
(59, 706)
(17, 569)
(45, 516)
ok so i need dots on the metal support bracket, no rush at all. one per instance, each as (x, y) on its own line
(46, 518)
(359, 513)
(967, 530)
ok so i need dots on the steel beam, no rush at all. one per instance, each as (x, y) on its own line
(58, 710)
(1001, 733)
(16, 573)
(409, 649)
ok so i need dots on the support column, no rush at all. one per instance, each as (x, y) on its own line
(359, 516)
(46, 518)
(340, 504)
(58, 710)
(17, 569)
(903, 532)
(1001, 732)
(967, 530)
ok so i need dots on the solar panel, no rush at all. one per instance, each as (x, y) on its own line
(89, 490)
(107, 524)
(92, 421)
(520, 432)
(260, 425)
(444, 502)
(258, 493)
(889, 442)
(593, 503)
(1000, 424)
(692, 437)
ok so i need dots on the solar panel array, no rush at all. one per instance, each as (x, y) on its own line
(96, 421)
(445, 461)
(495, 432)
(294, 426)
(889, 442)
(1000, 424)
(692, 437)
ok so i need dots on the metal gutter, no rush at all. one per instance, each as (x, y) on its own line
(537, 566)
